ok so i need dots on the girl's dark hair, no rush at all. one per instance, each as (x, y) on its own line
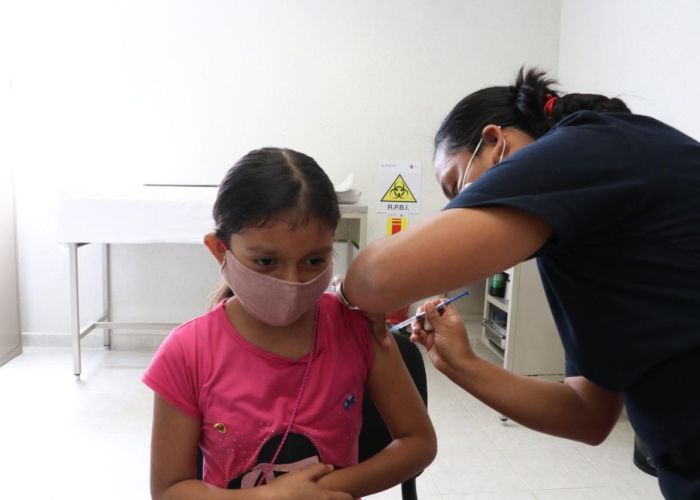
(521, 105)
(272, 184)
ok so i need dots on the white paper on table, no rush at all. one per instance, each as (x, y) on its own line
(345, 192)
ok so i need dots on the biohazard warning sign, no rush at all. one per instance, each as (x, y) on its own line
(399, 192)
(399, 188)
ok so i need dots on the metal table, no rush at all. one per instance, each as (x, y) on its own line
(146, 217)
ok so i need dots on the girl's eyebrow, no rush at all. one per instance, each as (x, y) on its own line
(326, 249)
(260, 249)
(320, 251)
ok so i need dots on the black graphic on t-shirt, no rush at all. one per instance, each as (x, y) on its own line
(297, 453)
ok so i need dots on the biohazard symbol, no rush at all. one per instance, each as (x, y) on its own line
(399, 192)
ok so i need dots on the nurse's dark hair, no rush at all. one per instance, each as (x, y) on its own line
(269, 185)
(520, 105)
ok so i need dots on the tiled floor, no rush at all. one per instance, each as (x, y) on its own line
(66, 439)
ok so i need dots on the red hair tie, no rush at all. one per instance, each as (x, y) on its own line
(549, 104)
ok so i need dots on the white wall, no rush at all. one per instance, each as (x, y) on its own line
(644, 51)
(176, 91)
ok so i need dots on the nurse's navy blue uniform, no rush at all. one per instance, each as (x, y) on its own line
(621, 271)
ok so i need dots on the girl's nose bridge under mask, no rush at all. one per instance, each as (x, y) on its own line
(273, 301)
(466, 184)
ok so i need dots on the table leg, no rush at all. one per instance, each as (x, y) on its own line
(74, 306)
(362, 230)
(350, 250)
(106, 297)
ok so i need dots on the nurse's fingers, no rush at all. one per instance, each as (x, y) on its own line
(424, 338)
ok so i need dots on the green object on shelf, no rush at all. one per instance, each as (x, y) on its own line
(497, 284)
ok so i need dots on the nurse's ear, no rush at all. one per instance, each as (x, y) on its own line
(215, 246)
(495, 143)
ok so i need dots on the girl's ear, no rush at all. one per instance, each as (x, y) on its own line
(215, 246)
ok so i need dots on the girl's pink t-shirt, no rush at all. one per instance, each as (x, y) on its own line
(244, 396)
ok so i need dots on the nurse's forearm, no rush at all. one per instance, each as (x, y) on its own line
(576, 409)
(445, 252)
(362, 285)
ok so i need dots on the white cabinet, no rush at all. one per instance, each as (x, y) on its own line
(519, 326)
(10, 339)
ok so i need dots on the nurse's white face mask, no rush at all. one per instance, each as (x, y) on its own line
(466, 184)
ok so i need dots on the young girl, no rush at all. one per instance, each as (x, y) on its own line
(271, 380)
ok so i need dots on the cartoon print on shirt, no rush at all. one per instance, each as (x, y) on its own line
(297, 453)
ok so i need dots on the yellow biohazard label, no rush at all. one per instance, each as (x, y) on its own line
(395, 225)
(399, 192)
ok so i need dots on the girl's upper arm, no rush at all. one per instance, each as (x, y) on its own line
(174, 442)
(413, 444)
(396, 397)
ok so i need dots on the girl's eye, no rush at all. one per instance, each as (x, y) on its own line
(316, 261)
(265, 262)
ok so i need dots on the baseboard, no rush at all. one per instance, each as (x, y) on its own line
(473, 324)
(146, 340)
(12, 354)
(472, 318)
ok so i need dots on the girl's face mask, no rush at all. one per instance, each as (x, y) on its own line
(273, 301)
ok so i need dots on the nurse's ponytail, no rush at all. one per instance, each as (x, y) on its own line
(539, 102)
(531, 104)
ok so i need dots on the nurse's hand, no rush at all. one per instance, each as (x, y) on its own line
(445, 339)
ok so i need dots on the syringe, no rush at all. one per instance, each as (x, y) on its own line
(440, 307)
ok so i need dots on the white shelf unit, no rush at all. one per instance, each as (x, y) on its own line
(519, 327)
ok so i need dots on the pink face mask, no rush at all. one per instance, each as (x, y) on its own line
(273, 301)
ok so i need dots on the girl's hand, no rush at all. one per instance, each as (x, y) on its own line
(303, 485)
(447, 342)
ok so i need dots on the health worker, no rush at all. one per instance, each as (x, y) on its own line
(608, 202)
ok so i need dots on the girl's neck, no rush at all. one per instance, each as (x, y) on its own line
(291, 341)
